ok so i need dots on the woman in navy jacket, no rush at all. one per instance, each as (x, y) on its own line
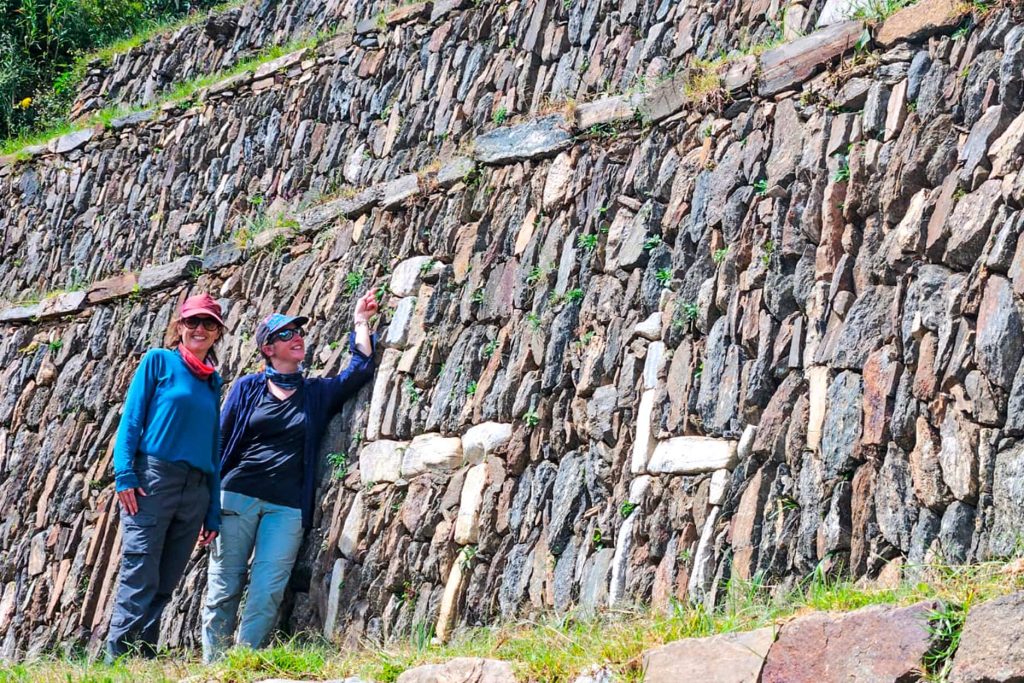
(271, 426)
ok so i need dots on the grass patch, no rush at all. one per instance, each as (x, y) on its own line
(105, 55)
(183, 93)
(557, 648)
(878, 10)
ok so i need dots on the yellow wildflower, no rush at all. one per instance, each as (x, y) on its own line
(25, 103)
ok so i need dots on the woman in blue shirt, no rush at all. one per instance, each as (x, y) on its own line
(272, 424)
(166, 474)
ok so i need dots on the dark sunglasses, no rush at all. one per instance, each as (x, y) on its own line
(192, 322)
(286, 335)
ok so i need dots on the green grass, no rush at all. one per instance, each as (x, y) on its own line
(557, 648)
(182, 93)
(877, 10)
(105, 55)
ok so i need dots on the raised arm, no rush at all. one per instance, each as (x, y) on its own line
(360, 368)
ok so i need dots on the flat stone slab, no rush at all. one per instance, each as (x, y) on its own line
(71, 141)
(409, 12)
(282, 62)
(920, 21)
(461, 670)
(796, 61)
(665, 99)
(454, 171)
(222, 255)
(725, 658)
(692, 455)
(62, 304)
(534, 139)
(130, 120)
(615, 109)
(112, 287)
(395, 192)
(992, 643)
(870, 645)
(20, 313)
(347, 207)
(157, 277)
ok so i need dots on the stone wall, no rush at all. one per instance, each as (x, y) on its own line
(565, 37)
(634, 347)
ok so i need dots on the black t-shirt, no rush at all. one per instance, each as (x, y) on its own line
(271, 464)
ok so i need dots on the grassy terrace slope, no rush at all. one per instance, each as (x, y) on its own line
(560, 649)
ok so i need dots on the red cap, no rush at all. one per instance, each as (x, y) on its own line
(201, 304)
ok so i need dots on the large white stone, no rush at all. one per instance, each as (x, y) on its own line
(379, 397)
(37, 554)
(467, 523)
(428, 452)
(8, 603)
(398, 331)
(450, 600)
(746, 445)
(703, 570)
(405, 279)
(484, 438)
(719, 487)
(692, 455)
(654, 363)
(624, 541)
(643, 443)
(334, 596)
(352, 529)
(817, 393)
(557, 181)
(381, 461)
(649, 328)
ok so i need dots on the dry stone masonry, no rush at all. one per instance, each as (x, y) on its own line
(641, 335)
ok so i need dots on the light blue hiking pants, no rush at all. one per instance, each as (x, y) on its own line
(269, 534)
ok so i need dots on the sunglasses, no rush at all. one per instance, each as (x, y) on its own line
(192, 322)
(286, 335)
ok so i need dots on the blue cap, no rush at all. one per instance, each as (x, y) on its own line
(274, 322)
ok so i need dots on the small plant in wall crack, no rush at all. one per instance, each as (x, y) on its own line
(478, 296)
(626, 509)
(339, 464)
(353, 281)
(663, 276)
(652, 242)
(587, 242)
(413, 391)
(535, 275)
(945, 625)
(500, 116)
(686, 314)
(761, 187)
(719, 255)
(466, 557)
(531, 418)
(490, 347)
(842, 174)
(574, 295)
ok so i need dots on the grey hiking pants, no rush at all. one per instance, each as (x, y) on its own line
(156, 544)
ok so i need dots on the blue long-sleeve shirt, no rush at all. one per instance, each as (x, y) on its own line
(171, 414)
(322, 397)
